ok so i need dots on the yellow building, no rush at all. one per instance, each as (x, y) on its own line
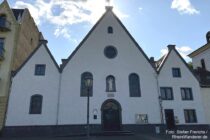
(19, 36)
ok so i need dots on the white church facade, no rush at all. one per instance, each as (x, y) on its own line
(128, 88)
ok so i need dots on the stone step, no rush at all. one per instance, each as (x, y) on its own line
(115, 133)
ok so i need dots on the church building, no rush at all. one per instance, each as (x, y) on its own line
(128, 91)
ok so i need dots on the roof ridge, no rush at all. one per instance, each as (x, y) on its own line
(124, 28)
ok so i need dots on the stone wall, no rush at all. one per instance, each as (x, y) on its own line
(28, 39)
(20, 42)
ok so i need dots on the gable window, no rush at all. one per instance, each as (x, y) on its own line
(36, 104)
(2, 20)
(110, 84)
(203, 64)
(40, 69)
(176, 72)
(1, 47)
(4, 24)
(110, 30)
(166, 93)
(110, 52)
(84, 89)
(186, 94)
(190, 116)
(134, 85)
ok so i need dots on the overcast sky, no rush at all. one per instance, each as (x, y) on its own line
(153, 23)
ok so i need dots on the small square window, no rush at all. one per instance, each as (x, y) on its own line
(166, 93)
(40, 69)
(94, 117)
(190, 116)
(176, 72)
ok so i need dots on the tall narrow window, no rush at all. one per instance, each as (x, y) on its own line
(84, 89)
(36, 104)
(190, 116)
(203, 64)
(110, 30)
(40, 69)
(134, 85)
(110, 84)
(1, 47)
(3, 20)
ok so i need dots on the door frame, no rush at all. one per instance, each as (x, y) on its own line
(168, 125)
(120, 112)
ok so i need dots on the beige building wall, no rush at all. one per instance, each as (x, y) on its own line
(28, 39)
(20, 41)
(6, 63)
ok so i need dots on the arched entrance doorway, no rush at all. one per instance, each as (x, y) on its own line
(111, 115)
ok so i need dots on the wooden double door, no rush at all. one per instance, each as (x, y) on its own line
(111, 116)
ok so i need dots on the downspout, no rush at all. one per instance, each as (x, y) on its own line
(59, 92)
(159, 99)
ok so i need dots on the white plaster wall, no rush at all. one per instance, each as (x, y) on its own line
(197, 59)
(90, 57)
(205, 92)
(166, 79)
(25, 84)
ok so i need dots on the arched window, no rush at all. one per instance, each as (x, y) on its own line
(203, 64)
(110, 30)
(36, 104)
(134, 85)
(84, 89)
(110, 84)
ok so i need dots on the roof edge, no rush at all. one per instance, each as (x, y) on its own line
(82, 42)
(201, 49)
(14, 73)
(181, 60)
(135, 42)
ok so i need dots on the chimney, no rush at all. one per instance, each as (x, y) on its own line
(43, 41)
(208, 37)
(170, 47)
(64, 60)
(152, 61)
(109, 8)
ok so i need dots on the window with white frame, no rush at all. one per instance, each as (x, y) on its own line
(186, 94)
(166, 93)
(190, 116)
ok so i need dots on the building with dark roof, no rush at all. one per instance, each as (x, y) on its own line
(19, 36)
(108, 82)
(201, 68)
